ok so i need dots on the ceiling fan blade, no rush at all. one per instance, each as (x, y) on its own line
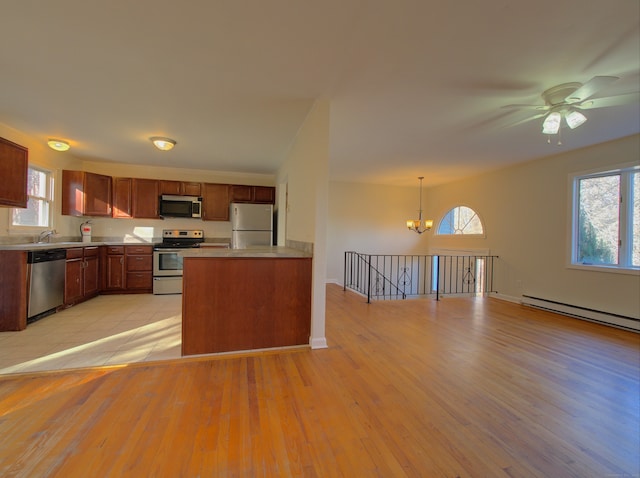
(528, 107)
(590, 88)
(526, 120)
(607, 101)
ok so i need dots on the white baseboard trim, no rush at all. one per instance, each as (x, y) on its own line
(507, 298)
(318, 343)
(607, 318)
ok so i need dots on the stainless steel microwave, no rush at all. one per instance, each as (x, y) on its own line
(180, 206)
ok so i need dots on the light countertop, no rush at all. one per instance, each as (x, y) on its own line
(39, 246)
(252, 252)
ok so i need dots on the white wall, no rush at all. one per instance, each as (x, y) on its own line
(525, 211)
(305, 172)
(371, 219)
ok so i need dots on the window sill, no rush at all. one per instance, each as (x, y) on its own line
(602, 268)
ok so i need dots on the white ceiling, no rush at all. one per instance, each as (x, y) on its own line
(416, 87)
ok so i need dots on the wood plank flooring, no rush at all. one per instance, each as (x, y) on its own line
(455, 388)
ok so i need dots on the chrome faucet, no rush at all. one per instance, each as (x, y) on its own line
(46, 235)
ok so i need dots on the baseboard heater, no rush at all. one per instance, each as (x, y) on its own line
(621, 321)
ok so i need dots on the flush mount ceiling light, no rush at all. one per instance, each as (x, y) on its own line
(163, 144)
(416, 225)
(58, 145)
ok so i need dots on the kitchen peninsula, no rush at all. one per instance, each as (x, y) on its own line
(245, 299)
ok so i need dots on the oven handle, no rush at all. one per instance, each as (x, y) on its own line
(167, 250)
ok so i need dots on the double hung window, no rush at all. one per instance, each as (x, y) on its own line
(38, 213)
(606, 219)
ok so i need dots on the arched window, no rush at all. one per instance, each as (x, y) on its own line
(461, 220)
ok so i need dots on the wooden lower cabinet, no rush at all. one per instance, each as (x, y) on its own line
(114, 269)
(233, 304)
(128, 269)
(139, 263)
(82, 274)
(73, 277)
(13, 290)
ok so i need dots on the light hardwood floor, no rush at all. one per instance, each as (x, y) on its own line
(456, 388)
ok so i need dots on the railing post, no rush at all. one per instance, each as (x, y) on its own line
(369, 282)
(344, 275)
(438, 278)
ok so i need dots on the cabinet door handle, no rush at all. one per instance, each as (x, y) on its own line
(122, 260)
(138, 258)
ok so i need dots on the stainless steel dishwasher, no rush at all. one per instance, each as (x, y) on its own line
(45, 272)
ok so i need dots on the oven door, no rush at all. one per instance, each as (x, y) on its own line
(167, 262)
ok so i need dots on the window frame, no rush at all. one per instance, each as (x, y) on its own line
(625, 219)
(437, 228)
(50, 199)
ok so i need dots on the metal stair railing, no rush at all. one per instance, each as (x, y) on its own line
(364, 273)
(384, 276)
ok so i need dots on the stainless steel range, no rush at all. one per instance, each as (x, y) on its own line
(167, 261)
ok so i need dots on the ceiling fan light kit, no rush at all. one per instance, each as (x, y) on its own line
(551, 124)
(574, 118)
(568, 99)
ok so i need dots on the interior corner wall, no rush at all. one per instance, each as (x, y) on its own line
(306, 172)
(41, 155)
(371, 219)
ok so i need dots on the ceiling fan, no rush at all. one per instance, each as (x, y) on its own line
(567, 101)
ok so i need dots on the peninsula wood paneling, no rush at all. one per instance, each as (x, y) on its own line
(245, 303)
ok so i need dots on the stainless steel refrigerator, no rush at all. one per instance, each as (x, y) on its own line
(251, 225)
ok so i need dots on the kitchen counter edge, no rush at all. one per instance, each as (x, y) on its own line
(252, 252)
(66, 245)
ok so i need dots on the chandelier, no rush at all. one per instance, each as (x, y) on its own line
(417, 225)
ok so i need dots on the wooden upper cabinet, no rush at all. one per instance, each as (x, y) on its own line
(13, 174)
(215, 202)
(97, 196)
(264, 194)
(122, 198)
(253, 194)
(191, 189)
(144, 198)
(85, 194)
(180, 188)
(241, 193)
